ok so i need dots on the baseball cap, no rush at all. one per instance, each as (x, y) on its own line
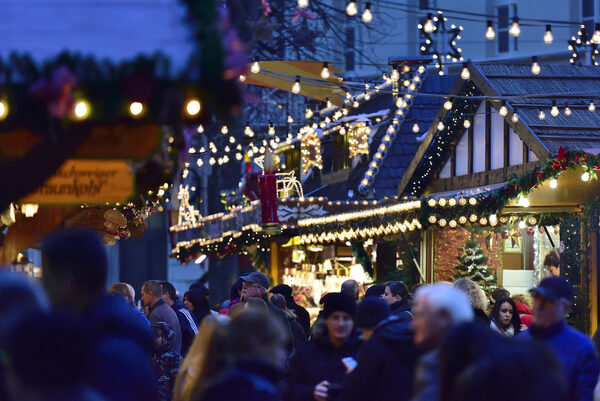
(258, 278)
(554, 288)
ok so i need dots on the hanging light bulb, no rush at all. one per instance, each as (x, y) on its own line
(271, 130)
(467, 123)
(224, 130)
(596, 35)
(325, 70)
(592, 106)
(302, 3)
(553, 183)
(290, 120)
(515, 118)
(200, 129)
(351, 9)
(515, 29)
(448, 104)
(3, 109)
(568, 111)
(503, 109)
(465, 74)
(490, 34)
(255, 67)
(554, 110)
(395, 76)
(585, 176)
(415, 128)
(296, 87)
(81, 109)
(535, 67)
(367, 16)
(247, 130)
(542, 115)
(429, 27)
(440, 126)
(548, 38)
(522, 224)
(309, 113)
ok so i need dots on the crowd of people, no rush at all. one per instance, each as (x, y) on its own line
(69, 339)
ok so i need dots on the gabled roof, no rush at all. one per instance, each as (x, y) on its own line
(526, 94)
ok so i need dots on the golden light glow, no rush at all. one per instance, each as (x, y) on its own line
(136, 108)
(81, 110)
(3, 109)
(193, 107)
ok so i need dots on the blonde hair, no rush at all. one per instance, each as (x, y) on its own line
(523, 298)
(473, 291)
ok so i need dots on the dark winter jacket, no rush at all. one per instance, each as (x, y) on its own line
(166, 363)
(188, 325)
(481, 317)
(386, 364)
(576, 354)
(402, 309)
(250, 380)
(161, 312)
(298, 333)
(302, 315)
(279, 314)
(315, 361)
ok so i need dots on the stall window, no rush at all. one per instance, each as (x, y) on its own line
(515, 151)
(497, 145)
(478, 154)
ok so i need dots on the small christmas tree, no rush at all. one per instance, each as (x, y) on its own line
(473, 265)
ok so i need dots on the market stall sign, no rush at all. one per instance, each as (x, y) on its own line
(86, 181)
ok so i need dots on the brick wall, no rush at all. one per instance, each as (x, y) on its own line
(447, 243)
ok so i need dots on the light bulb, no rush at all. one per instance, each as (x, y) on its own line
(515, 118)
(211, 161)
(465, 74)
(309, 113)
(535, 67)
(523, 201)
(542, 115)
(596, 35)
(440, 126)
(429, 27)
(568, 111)
(415, 128)
(242, 78)
(81, 110)
(200, 129)
(553, 183)
(585, 176)
(448, 104)
(248, 131)
(522, 224)
(490, 34)
(302, 3)
(136, 108)
(367, 16)
(193, 107)
(592, 106)
(515, 29)
(503, 110)
(3, 110)
(255, 67)
(290, 120)
(395, 76)
(548, 38)
(351, 9)
(224, 130)
(325, 70)
(296, 87)
(554, 110)
(232, 139)
(271, 130)
(466, 123)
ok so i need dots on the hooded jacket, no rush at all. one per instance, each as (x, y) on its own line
(386, 364)
(166, 362)
(402, 309)
(315, 361)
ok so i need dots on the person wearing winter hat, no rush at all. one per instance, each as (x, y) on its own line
(316, 371)
(376, 290)
(387, 356)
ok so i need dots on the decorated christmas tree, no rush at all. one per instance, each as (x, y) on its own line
(472, 264)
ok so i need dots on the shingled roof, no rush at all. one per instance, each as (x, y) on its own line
(576, 86)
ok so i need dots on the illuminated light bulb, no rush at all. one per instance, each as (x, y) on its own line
(415, 128)
(483, 221)
(452, 223)
(309, 113)
(585, 176)
(428, 27)
(212, 161)
(523, 201)
(473, 218)
(296, 87)
(515, 118)
(490, 34)
(542, 115)
(592, 106)
(568, 111)
(224, 130)
(431, 202)
(200, 129)
(535, 66)
(3, 110)
(432, 219)
(442, 202)
(553, 183)
(554, 110)
(351, 9)
(232, 139)
(290, 120)
(391, 129)
(302, 3)
(465, 74)
(462, 201)
(367, 16)
(452, 202)
(248, 131)
(255, 67)
(325, 70)
(462, 220)
(199, 162)
(493, 219)
(192, 150)
(395, 76)
(136, 108)
(515, 29)
(271, 130)
(442, 222)
(503, 110)
(440, 126)
(242, 78)
(448, 104)
(81, 110)
(399, 102)
(472, 201)
(596, 35)
(467, 124)
(548, 38)
(522, 224)
(193, 107)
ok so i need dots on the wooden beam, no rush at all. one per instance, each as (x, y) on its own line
(470, 147)
(506, 144)
(488, 136)
(453, 162)
(525, 153)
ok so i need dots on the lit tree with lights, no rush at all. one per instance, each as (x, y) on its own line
(473, 265)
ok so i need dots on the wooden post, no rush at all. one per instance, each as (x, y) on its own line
(275, 263)
(593, 261)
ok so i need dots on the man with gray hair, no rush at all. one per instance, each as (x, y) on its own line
(350, 287)
(438, 308)
(159, 311)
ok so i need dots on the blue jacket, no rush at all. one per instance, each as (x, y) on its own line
(576, 354)
(188, 325)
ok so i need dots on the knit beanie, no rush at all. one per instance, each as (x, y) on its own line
(371, 311)
(376, 290)
(338, 302)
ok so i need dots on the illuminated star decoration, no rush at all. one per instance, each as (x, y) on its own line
(581, 43)
(435, 26)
